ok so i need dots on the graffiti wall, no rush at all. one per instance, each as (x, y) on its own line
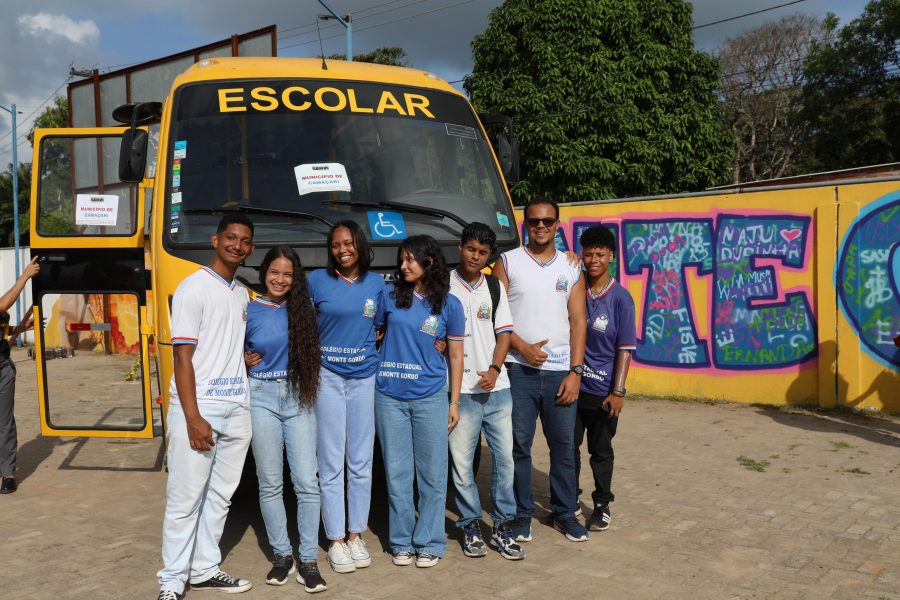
(787, 296)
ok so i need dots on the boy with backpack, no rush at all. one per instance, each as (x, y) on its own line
(485, 400)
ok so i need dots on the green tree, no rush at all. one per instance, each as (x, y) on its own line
(851, 90)
(609, 97)
(382, 56)
(55, 115)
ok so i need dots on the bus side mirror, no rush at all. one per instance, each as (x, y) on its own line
(133, 150)
(509, 157)
(133, 155)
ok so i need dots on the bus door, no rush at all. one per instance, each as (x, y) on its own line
(90, 297)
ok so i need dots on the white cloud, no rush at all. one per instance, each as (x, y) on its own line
(78, 32)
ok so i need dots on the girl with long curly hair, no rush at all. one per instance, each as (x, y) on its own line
(412, 416)
(349, 301)
(282, 345)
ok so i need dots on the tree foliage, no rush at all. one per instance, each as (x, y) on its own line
(762, 71)
(851, 91)
(55, 115)
(381, 56)
(609, 97)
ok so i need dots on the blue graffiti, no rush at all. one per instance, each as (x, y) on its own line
(750, 335)
(665, 247)
(867, 278)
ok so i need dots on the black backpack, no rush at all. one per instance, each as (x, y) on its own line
(494, 288)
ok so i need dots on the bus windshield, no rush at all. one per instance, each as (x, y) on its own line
(296, 155)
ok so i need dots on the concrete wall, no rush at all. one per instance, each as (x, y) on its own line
(778, 296)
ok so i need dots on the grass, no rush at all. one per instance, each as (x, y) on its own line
(857, 471)
(753, 465)
(840, 445)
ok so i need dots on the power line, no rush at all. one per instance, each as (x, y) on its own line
(413, 16)
(756, 12)
(39, 107)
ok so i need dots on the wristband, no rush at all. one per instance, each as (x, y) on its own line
(619, 392)
(454, 403)
(496, 368)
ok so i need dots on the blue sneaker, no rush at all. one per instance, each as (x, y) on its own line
(521, 529)
(569, 525)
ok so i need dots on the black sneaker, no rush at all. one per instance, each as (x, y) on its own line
(169, 595)
(282, 566)
(473, 544)
(8, 485)
(310, 577)
(223, 582)
(600, 518)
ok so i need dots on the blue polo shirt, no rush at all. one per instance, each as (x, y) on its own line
(410, 366)
(347, 313)
(610, 328)
(267, 334)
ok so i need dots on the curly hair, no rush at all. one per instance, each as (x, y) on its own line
(435, 280)
(303, 334)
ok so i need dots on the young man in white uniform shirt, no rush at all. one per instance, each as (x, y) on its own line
(209, 416)
(545, 364)
(485, 402)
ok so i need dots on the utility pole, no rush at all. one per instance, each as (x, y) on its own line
(345, 21)
(15, 190)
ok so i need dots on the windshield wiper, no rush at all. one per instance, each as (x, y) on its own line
(259, 210)
(421, 210)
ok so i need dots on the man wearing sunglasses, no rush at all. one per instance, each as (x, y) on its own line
(545, 364)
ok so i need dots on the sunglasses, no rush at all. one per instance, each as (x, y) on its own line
(547, 222)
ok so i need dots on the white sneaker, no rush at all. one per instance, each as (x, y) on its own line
(359, 554)
(339, 558)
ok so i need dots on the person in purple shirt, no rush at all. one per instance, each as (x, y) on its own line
(610, 341)
(412, 416)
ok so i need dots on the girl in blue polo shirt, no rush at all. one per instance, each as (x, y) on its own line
(283, 355)
(349, 303)
(412, 416)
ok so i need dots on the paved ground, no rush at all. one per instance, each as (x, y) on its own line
(822, 520)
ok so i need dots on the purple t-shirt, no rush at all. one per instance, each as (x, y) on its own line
(610, 328)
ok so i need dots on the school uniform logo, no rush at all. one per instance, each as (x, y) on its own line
(369, 308)
(600, 323)
(484, 312)
(430, 325)
(562, 284)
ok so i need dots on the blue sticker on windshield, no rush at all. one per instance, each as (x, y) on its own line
(386, 225)
(502, 219)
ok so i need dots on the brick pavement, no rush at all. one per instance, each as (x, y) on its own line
(821, 521)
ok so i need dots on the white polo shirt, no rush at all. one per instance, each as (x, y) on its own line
(539, 301)
(481, 332)
(211, 313)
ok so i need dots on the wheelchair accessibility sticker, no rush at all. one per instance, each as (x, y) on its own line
(386, 225)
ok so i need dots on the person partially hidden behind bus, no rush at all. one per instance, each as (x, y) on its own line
(485, 402)
(610, 341)
(8, 436)
(283, 356)
(209, 416)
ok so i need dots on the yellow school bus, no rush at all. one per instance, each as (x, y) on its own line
(295, 144)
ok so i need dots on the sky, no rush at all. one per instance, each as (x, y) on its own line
(41, 39)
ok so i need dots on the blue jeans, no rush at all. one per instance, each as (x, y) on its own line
(534, 395)
(198, 491)
(279, 424)
(413, 435)
(493, 413)
(345, 414)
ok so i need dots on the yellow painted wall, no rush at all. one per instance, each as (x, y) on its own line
(736, 294)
